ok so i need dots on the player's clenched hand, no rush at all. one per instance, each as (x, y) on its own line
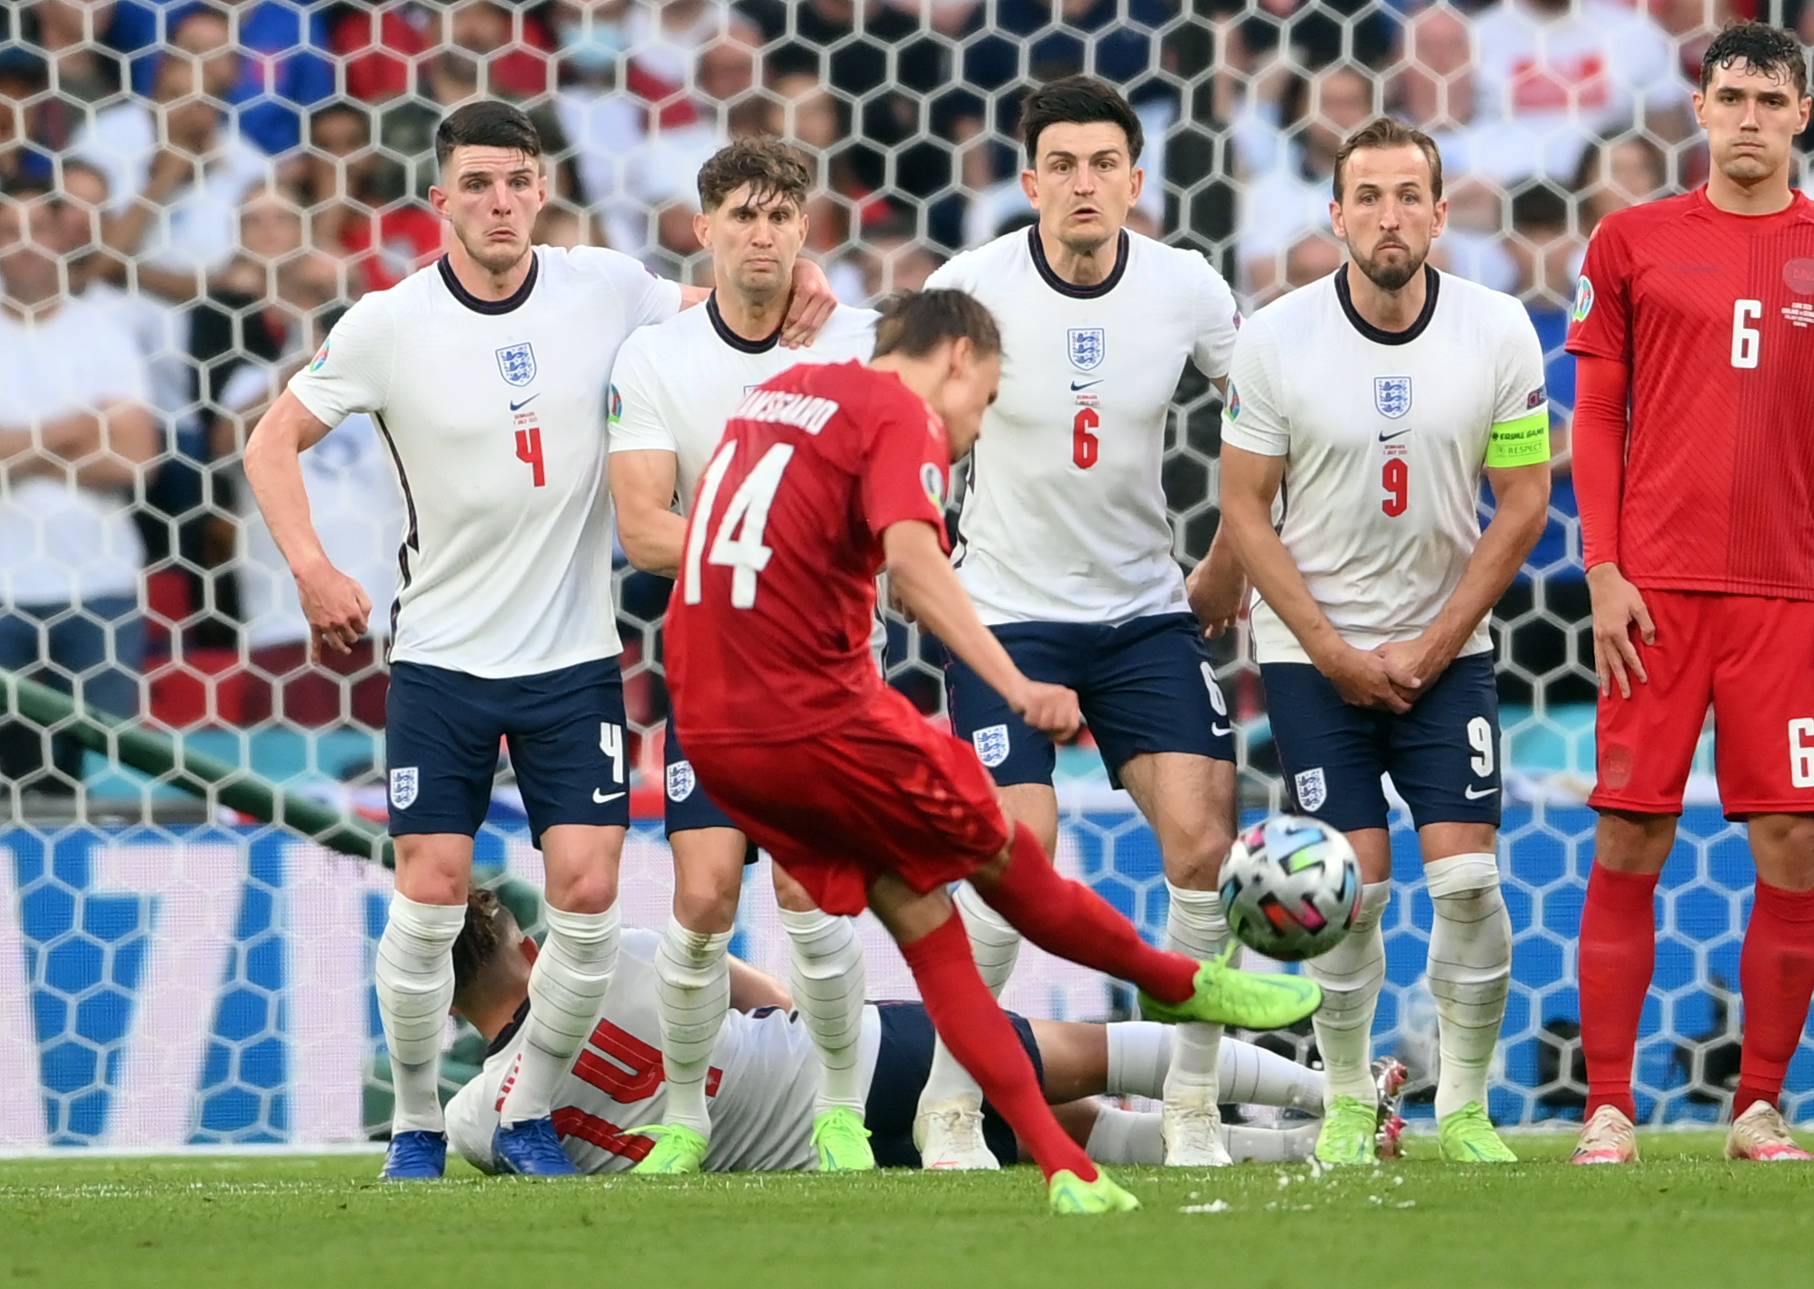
(1364, 679)
(1618, 606)
(1217, 602)
(1413, 665)
(1050, 709)
(337, 607)
(810, 306)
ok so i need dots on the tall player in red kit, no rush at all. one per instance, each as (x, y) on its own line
(826, 474)
(1696, 313)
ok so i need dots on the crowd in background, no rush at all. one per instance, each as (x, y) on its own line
(192, 192)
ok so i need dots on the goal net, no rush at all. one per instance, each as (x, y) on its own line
(175, 973)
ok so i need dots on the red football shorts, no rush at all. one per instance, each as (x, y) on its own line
(1752, 660)
(880, 792)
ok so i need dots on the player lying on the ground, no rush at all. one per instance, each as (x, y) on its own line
(763, 1073)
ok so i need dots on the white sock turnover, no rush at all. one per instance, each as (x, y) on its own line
(1470, 971)
(828, 982)
(1195, 927)
(1351, 975)
(415, 983)
(692, 995)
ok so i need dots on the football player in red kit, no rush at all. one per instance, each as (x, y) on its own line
(1694, 465)
(827, 474)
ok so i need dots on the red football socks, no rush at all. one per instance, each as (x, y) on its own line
(980, 1035)
(1776, 975)
(1069, 919)
(1618, 956)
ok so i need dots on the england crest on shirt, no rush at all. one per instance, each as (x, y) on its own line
(1310, 788)
(681, 780)
(991, 744)
(1088, 347)
(405, 780)
(516, 363)
(1392, 395)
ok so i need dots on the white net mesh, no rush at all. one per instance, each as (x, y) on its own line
(194, 191)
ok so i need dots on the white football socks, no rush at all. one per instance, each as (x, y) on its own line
(1470, 970)
(566, 997)
(1140, 1052)
(415, 982)
(692, 994)
(996, 947)
(1133, 1137)
(828, 981)
(1194, 927)
(1351, 975)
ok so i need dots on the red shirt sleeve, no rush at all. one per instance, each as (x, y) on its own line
(906, 466)
(1602, 314)
(1602, 395)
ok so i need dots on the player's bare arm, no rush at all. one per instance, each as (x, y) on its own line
(922, 579)
(1603, 389)
(337, 607)
(642, 485)
(1217, 586)
(1250, 482)
(753, 988)
(1520, 509)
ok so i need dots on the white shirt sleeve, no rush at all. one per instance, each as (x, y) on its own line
(1521, 384)
(950, 276)
(1216, 314)
(635, 421)
(351, 372)
(1252, 418)
(472, 1119)
(646, 299)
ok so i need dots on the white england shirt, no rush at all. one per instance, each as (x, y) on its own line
(675, 385)
(1064, 519)
(764, 1076)
(1386, 435)
(494, 415)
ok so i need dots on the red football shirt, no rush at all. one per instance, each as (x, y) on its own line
(768, 627)
(1713, 313)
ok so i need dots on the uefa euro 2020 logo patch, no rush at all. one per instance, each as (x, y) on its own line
(614, 402)
(1584, 298)
(932, 479)
(516, 363)
(1233, 409)
(1088, 347)
(1392, 395)
(321, 357)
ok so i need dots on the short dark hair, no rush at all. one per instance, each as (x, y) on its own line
(490, 929)
(915, 323)
(1078, 100)
(1386, 132)
(489, 124)
(771, 167)
(1757, 47)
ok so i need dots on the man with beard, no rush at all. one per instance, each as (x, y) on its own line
(486, 375)
(1362, 410)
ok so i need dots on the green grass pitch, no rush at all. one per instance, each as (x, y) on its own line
(1684, 1217)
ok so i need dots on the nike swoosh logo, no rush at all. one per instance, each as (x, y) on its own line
(517, 407)
(1472, 795)
(1220, 730)
(1084, 384)
(1387, 438)
(600, 797)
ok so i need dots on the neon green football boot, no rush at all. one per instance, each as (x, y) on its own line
(842, 1142)
(1467, 1137)
(1071, 1196)
(678, 1151)
(1349, 1133)
(1243, 999)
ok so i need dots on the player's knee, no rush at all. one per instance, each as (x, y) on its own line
(591, 891)
(1784, 847)
(704, 903)
(1196, 861)
(1633, 843)
(430, 872)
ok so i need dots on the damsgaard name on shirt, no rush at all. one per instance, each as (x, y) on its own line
(806, 412)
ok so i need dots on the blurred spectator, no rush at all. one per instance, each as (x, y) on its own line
(381, 45)
(176, 168)
(1279, 206)
(893, 260)
(89, 44)
(1563, 73)
(354, 195)
(74, 439)
(1629, 170)
(283, 68)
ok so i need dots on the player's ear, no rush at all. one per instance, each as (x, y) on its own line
(1336, 222)
(961, 359)
(530, 950)
(702, 230)
(437, 200)
(1136, 185)
(1029, 184)
(1440, 218)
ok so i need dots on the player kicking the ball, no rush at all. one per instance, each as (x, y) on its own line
(486, 374)
(1694, 460)
(765, 1081)
(824, 474)
(1362, 410)
(1065, 547)
(672, 390)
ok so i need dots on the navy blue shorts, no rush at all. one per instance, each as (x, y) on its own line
(1443, 754)
(1144, 686)
(565, 730)
(687, 807)
(903, 1063)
